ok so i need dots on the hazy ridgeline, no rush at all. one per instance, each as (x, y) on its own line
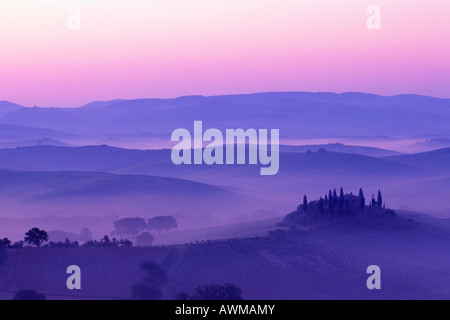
(49, 180)
(67, 169)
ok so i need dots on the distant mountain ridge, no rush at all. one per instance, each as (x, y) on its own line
(342, 148)
(296, 114)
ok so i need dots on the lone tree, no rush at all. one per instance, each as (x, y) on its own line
(380, 199)
(330, 200)
(36, 237)
(362, 204)
(162, 223)
(129, 226)
(305, 203)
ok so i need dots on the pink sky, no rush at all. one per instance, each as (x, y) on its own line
(168, 48)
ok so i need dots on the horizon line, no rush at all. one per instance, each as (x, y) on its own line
(228, 95)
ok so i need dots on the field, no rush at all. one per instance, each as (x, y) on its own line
(326, 262)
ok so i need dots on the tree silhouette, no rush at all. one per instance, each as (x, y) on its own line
(330, 200)
(335, 198)
(106, 242)
(380, 199)
(362, 205)
(5, 243)
(321, 205)
(305, 203)
(162, 223)
(36, 237)
(129, 226)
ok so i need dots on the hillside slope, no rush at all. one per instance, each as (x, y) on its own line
(327, 262)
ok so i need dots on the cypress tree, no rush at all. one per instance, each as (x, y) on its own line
(362, 205)
(380, 199)
(321, 205)
(341, 200)
(305, 203)
(330, 201)
(335, 197)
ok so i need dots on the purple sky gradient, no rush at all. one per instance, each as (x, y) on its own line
(142, 49)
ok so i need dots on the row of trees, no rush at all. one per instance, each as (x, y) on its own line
(108, 243)
(36, 237)
(332, 201)
(134, 226)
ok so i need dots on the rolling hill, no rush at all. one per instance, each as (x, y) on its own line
(300, 173)
(52, 195)
(8, 107)
(437, 161)
(326, 262)
(158, 162)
